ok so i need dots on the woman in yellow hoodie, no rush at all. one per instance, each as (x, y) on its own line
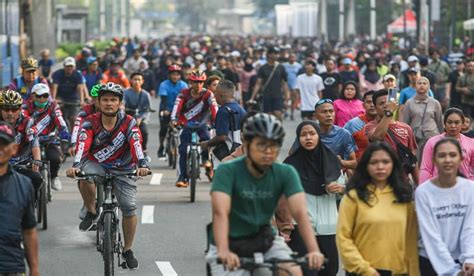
(377, 229)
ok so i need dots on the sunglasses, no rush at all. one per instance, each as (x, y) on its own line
(323, 101)
(10, 109)
(44, 96)
(198, 82)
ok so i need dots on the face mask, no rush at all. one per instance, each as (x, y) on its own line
(41, 105)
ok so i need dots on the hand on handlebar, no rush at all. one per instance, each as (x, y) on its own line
(143, 172)
(72, 151)
(229, 259)
(315, 260)
(72, 172)
(173, 124)
(35, 165)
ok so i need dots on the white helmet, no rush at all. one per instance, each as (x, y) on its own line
(40, 89)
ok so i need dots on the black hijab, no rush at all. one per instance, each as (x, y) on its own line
(317, 167)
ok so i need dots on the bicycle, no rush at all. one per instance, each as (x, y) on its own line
(171, 144)
(108, 237)
(258, 261)
(193, 152)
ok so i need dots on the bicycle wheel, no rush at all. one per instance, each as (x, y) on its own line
(108, 245)
(44, 206)
(194, 173)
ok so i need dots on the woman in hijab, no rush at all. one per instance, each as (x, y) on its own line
(370, 79)
(319, 170)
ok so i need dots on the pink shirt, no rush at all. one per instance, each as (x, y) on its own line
(346, 110)
(428, 169)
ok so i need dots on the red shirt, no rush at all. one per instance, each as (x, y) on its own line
(86, 111)
(119, 149)
(48, 119)
(401, 131)
(188, 109)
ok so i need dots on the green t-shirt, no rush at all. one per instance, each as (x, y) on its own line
(254, 201)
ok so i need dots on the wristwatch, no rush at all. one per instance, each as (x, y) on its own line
(388, 113)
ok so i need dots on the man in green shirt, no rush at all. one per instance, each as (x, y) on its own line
(245, 194)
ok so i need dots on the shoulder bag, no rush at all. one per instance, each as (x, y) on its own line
(407, 158)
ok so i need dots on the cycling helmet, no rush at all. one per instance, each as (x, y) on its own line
(40, 89)
(94, 92)
(264, 125)
(29, 63)
(174, 68)
(113, 88)
(10, 98)
(197, 75)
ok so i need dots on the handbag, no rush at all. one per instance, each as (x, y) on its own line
(407, 158)
(260, 242)
(418, 131)
(221, 151)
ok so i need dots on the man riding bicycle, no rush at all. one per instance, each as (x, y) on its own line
(244, 196)
(26, 136)
(110, 141)
(168, 91)
(28, 78)
(194, 105)
(48, 118)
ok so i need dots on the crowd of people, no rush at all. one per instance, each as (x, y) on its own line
(386, 146)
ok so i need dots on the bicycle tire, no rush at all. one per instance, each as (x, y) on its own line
(44, 206)
(108, 245)
(194, 174)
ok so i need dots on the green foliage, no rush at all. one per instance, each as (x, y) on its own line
(68, 49)
(101, 45)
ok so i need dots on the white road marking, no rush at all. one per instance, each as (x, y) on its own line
(147, 214)
(166, 269)
(156, 179)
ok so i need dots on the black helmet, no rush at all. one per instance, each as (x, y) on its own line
(113, 88)
(264, 125)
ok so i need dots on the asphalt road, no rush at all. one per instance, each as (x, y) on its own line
(170, 238)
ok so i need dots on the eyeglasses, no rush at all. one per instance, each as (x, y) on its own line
(323, 101)
(262, 147)
(44, 96)
(10, 109)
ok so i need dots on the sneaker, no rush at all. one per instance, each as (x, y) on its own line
(88, 222)
(130, 261)
(82, 212)
(182, 183)
(56, 184)
(161, 152)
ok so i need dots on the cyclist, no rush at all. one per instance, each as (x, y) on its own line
(245, 194)
(29, 77)
(168, 91)
(193, 105)
(68, 86)
(48, 117)
(138, 105)
(18, 236)
(115, 75)
(111, 141)
(26, 137)
(87, 110)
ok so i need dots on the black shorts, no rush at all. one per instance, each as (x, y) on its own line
(272, 104)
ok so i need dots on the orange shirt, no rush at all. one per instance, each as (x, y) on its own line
(119, 78)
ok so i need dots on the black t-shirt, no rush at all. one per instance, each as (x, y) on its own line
(349, 76)
(273, 89)
(230, 75)
(469, 134)
(455, 96)
(331, 82)
(17, 213)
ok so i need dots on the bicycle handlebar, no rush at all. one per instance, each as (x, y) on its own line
(248, 263)
(81, 175)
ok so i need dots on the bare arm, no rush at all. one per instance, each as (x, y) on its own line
(297, 206)
(221, 203)
(382, 127)
(256, 88)
(30, 241)
(286, 91)
(54, 91)
(81, 90)
(350, 163)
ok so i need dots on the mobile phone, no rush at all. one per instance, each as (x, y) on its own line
(392, 94)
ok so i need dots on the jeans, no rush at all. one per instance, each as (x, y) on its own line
(185, 140)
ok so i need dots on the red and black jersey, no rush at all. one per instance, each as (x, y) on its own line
(119, 148)
(87, 110)
(47, 119)
(188, 109)
(26, 138)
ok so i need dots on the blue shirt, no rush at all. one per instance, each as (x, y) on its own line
(17, 213)
(138, 104)
(223, 118)
(171, 91)
(92, 79)
(292, 72)
(408, 93)
(67, 85)
(339, 141)
(354, 125)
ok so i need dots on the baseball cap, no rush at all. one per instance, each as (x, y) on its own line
(235, 54)
(388, 77)
(91, 60)
(7, 132)
(413, 70)
(273, 49)
(347, 61)
(412, 59)
(69, 61)
(199, 57)
(40, 89)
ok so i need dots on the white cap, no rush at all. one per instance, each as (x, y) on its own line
(40, 89)
(412, 59)
(69, 61)
(235, 54)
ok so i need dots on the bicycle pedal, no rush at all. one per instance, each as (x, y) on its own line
(124, 265)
